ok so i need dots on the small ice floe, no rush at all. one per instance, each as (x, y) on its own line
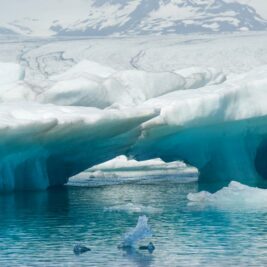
(132, 208)
(234, 196)
(141, 231)
(80, 249)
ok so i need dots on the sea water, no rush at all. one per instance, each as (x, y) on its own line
(41, 228)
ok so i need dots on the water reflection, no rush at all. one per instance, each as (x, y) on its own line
(40, 229)
(138, 258)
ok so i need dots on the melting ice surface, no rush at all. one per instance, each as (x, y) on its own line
(235, 196)
(139, 232)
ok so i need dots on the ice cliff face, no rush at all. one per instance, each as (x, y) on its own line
(92, 113)
(125, 17)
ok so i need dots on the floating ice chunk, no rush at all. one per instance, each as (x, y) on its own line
(199, 197)
(122, 170)
(235, 196)
(141, 231)
(10, 73)
(132, 208)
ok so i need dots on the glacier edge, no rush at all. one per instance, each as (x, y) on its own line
(197, 117)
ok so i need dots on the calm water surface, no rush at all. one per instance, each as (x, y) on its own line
(40, 229)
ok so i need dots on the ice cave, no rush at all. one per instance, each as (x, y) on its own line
(92, 113)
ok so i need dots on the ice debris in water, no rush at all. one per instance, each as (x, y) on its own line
(79, 249)
(234, 196)
(141, 230)
(132, 208)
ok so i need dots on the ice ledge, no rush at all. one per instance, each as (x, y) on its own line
(221, 129)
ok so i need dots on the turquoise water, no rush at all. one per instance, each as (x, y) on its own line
(40, 229)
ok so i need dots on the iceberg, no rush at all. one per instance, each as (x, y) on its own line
(121, 170)
(235, 196)
(91, 114)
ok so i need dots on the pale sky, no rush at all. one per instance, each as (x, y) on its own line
(17, 9)
(46, 11)
(10, 9)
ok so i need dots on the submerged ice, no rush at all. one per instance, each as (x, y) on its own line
(92, 113)
(132, 208)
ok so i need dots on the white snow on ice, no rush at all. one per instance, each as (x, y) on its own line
(70, 105)
(122, 170)
(235, 196)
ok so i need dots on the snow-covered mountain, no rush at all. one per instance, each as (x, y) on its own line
(164, 17)
(128, 17)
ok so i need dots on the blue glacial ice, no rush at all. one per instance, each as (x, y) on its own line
(85, 117)
(141, 231)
